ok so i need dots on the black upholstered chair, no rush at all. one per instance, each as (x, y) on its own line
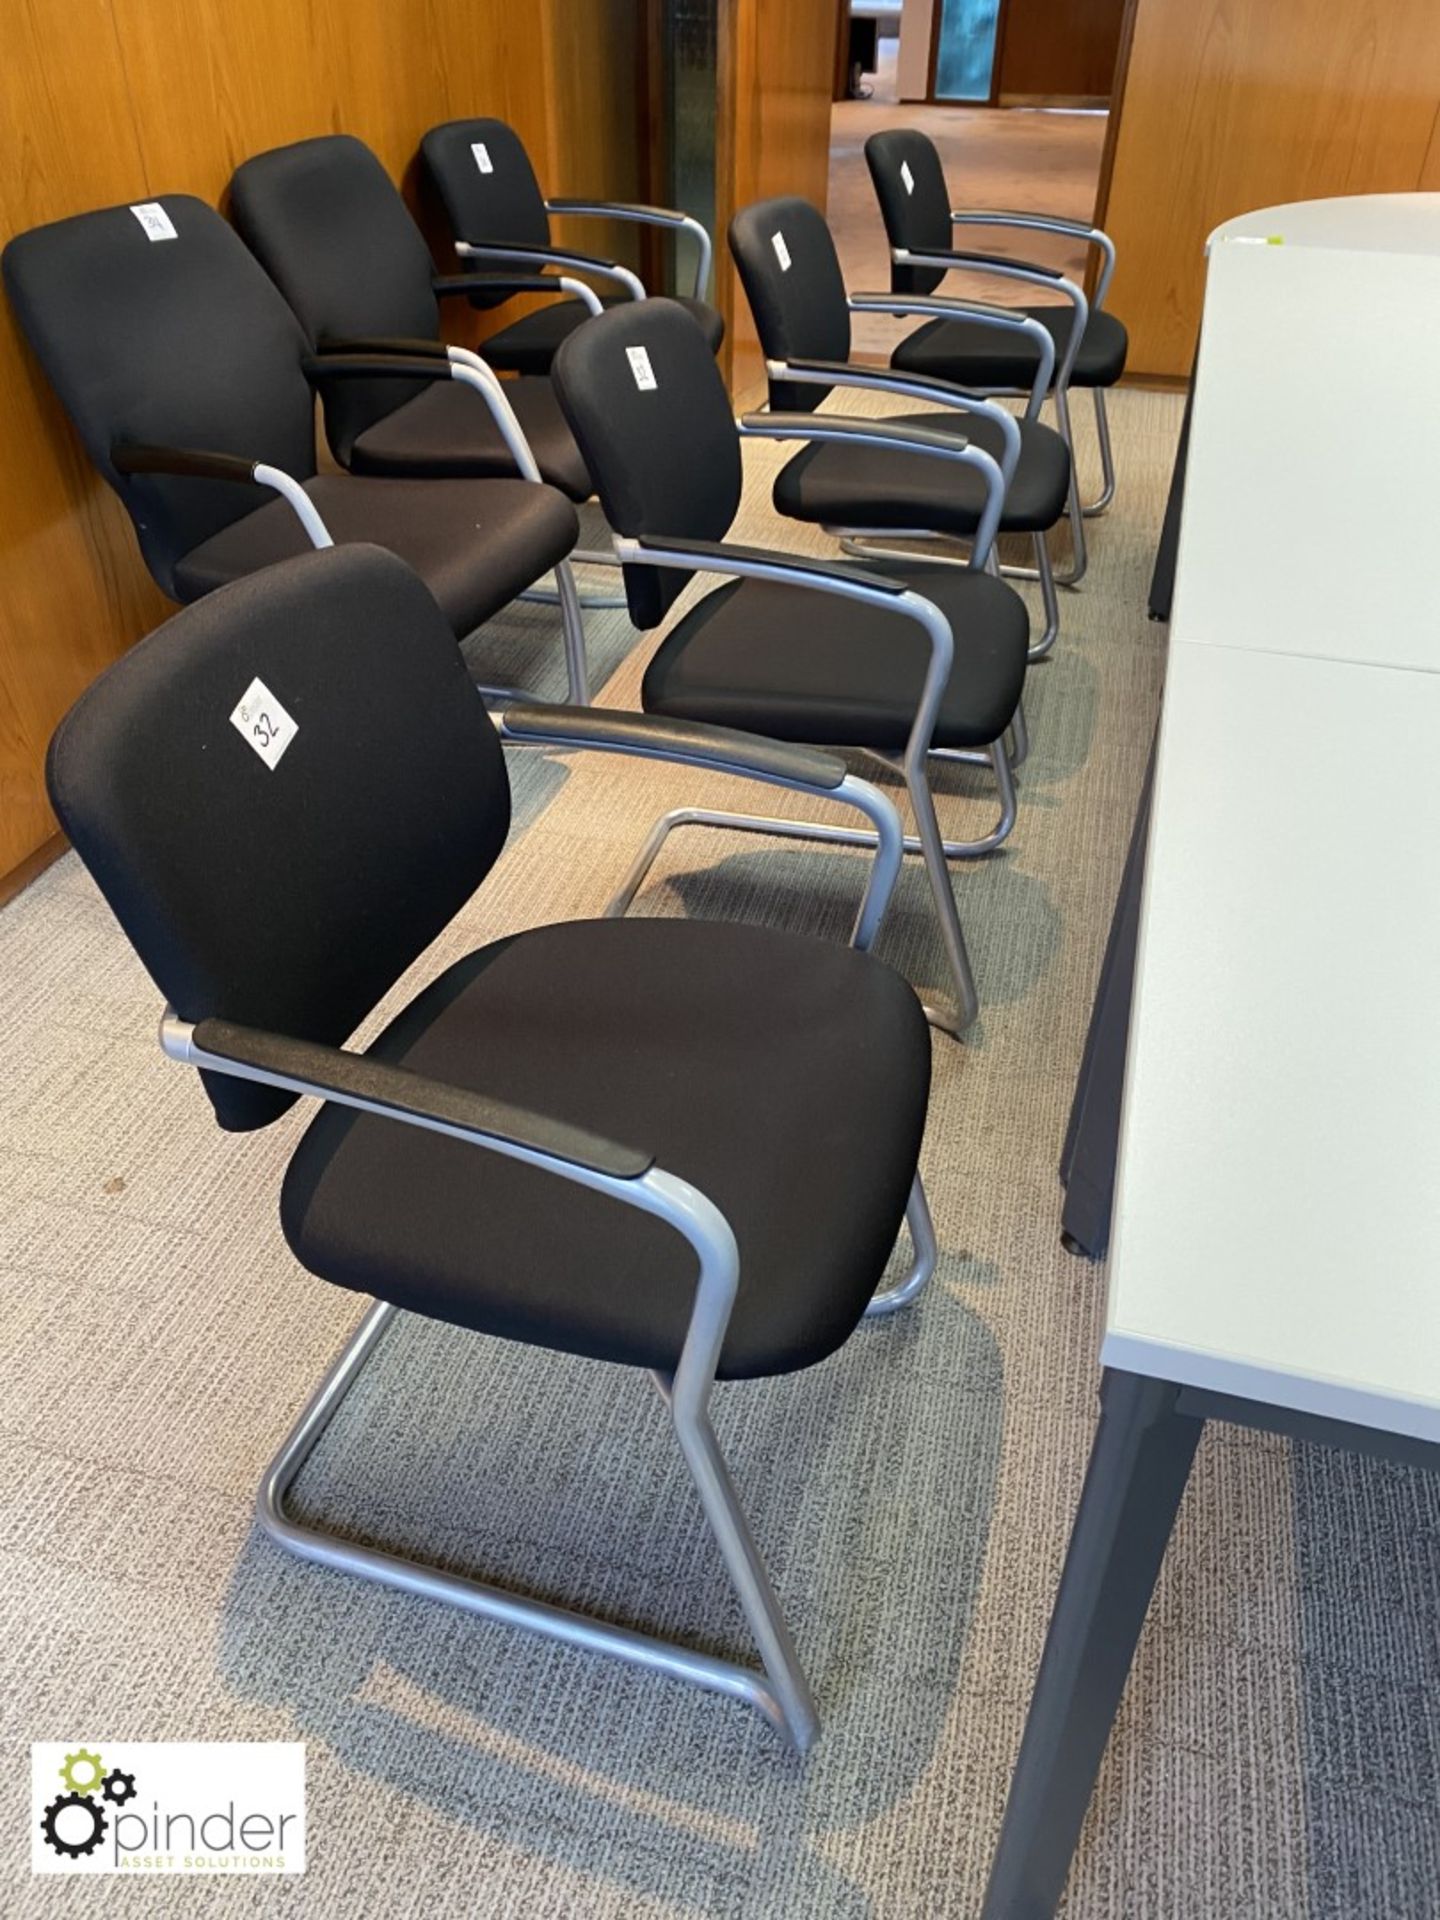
(666, 1144)
(190, 382)
(1090, 343)
(500, 220)
(791, 274)
(329, 226)
(910, 662)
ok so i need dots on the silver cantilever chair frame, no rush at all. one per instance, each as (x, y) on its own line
(872, 543)
(928, 841)
(780, 1692)
(1094, 237)
(1038, 277)
(628, 282)
(470, 370)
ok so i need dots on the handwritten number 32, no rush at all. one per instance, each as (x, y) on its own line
(265, 730)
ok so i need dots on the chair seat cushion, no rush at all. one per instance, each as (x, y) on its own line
(973, 355)
(447, 431)
(785, 1077)
(529, 344)
(852, 485)
(475, 543)
(793, 665)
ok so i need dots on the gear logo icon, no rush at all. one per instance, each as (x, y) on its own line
(74, 1848)
(118, 1787)
(88, 1765)
(77, 1820)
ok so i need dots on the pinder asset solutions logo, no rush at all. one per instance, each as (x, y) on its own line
(180, 1806)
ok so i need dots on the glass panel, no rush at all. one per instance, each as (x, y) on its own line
(690, 29)
(966, 52)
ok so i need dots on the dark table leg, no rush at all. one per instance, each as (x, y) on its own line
(1092, 1138)
(1139, 1464)
(1162, 579)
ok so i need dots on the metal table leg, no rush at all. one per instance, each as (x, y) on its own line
(1139, 1464)
(1092, 1138)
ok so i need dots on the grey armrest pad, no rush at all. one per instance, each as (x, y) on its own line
(845, 426)
(445, 286)
(661, 737)
(374, 366)
(620, 210)
(955, 257)
(331, 1070)
(846, 373)
(185, 463)
(714, 554)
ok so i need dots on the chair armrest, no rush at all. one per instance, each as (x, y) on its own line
(377, 1086)
(911, 386)
(656, 737)
(445, 285)
(846, 426)
(190, 463)
(890, 592)
(426, 360)
(187, 463)
(645, 216)
(622, 1173)
(716, 556)
(1004, 319)
(330, 365)
(377, 343)
(1046, 223)
(620, 210)
(821, 427)
(532, 256)
(1029, 271)
(451, 286)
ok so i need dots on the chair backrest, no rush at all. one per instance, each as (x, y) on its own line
(791, 274)
(155, 326)
(649, 411)
(487, 186)
(290, 889)
(328, 225)
(914, 201)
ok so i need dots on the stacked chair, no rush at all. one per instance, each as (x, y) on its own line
(509, 1156)
(500, 219)
(1090, 344)
(683, 1147)
(191, 384)
(903, 662)
(791, 274)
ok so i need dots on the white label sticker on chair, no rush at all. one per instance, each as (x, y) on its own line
(156, 221)
(907, 176)
(482, 156)
(641, 368)
(263, 722)
(782, 252)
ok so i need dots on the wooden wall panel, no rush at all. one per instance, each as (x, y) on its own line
(121, 100)
(776, 66)
(1229, 105)
(1057, 50)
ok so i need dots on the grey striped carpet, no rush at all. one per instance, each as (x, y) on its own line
(1278, 1751)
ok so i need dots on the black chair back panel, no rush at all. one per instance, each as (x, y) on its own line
(177, 341)
(791, 275)
(914, 201)
(649, 412)
(330, 228)
(487, 186)
(288, 896)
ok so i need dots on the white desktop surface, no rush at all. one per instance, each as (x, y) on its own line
(1277, 1220)
(1311, 522)
(1356, 223)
